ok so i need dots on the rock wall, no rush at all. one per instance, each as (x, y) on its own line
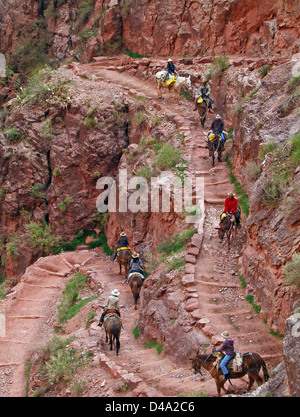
(291, 348)
(180, 28)
(269, 117)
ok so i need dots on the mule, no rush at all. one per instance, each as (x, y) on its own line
(112, 326)
(215, 145)
(252, 364)
(123, 259)
(202, 111)
(226, 227)
(161, 79)
(135, 281)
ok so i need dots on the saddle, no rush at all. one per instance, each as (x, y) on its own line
(111, 313)
(235, 364)
(171, 80)
(133, 273)
(121, 249)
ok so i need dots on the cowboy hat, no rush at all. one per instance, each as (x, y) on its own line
(226, 335)
(169, 60)
(115, 292)
(231, 194)
(218, 116)
(122, 234)
(135, 255)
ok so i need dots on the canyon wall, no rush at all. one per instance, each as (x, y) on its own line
(178, 28)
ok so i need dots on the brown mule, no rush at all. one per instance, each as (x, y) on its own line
(226, 227)
(252, 363)
(202, 111)
(112, 326)
(135, 281)
(123, 259)
(215, 145)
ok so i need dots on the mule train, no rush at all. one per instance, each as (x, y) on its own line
(161, 79)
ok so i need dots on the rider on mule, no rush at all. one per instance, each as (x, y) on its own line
(228, 348)
(231, 206)
(217, 126)
(136, 265)
(122, 243)
(205, 95)
(171, 68)
(111, 304)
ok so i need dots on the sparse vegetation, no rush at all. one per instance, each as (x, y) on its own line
(14, 134)
(40, 236)
(60, 362)
(283, 162)
(153, 344)
(264, 70)
(250, 299)
(220, 65)
(175, 244)
(291, 271)
(70, 302)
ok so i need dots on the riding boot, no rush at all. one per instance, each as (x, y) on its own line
(227, 376)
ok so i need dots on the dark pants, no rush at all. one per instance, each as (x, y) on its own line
(237, 216)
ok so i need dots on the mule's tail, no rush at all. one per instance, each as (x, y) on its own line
(265, 371)
(135, 292)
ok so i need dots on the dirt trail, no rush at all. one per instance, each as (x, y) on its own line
(30, 310)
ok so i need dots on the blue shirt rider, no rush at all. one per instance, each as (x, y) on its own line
(136, 265)
(171, 68)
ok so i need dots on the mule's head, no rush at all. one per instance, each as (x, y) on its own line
(188, 82)
(196, 365)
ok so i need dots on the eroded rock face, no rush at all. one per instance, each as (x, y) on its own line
(273, 229)
(291, 348)
(161, 28)
(165, 318)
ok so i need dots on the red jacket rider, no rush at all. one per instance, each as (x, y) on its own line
(230, 204)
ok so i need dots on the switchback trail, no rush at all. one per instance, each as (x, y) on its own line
(30, 309)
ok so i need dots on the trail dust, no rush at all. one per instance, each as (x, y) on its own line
(139, 371)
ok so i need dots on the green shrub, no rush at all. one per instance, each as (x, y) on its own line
(56, 171)
(264, 70)
(177, 243)
(61, 361)
(38, 192)
(175, 264)
(136, 332)
(40, 236)
(153, 344)
(31, 49)
(41, 90)
(168, 158)
(291, 271)
(250, 299)
(220, 65)
(145, 172)
(14, 134)
(68, 306)
(62, 207)
(266, 148)
(280, 175)
(80, 238)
